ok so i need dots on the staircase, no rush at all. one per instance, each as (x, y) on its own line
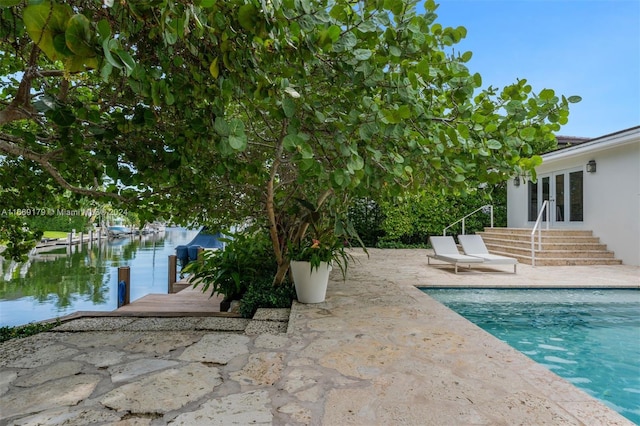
(559, 246)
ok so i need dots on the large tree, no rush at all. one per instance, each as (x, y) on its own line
(211, 110)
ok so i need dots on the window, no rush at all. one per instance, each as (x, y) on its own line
(575, 197)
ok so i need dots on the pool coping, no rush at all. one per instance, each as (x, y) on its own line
(403, 271)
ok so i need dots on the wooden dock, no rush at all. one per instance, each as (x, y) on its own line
(187, 302)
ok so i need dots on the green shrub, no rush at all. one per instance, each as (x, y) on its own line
(366, 216)
(247, 257)
(7, 333)
(263, 294)
(408, 221)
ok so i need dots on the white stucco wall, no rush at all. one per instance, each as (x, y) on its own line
(611, 194)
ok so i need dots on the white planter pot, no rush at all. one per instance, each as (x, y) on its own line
(311, 286)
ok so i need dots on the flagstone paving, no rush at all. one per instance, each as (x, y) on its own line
(377, 352)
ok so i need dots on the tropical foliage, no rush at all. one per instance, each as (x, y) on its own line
(218, 111)
(246, 258)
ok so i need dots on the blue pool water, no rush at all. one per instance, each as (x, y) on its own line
(589, 337)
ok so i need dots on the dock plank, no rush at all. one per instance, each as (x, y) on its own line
(188, 300)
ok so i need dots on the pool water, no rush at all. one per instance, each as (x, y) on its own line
(589, 337)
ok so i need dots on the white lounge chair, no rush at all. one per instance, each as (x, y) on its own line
(473, 245)
(445, 249)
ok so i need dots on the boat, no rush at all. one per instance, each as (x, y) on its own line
(118, 231)
(204, 240)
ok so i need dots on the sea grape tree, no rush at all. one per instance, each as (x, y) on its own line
(218, 111)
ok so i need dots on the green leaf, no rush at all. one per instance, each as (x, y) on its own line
(248, 17)
(528, 134)
(107, 45)
(477, 79)
(288, 107)
(547, 94)
(362, 54)
(238, 143)
(355, 163)
(104, 30)
(213, 68)
(423, 68)
(221, 126)
(574, 99)
(127, 60)
(291, 142)
(395, 6)
(339, 178)
(367, 131)
(9, 3)
(106, 71)
(333, 32)
(62, 117)
(44, 22)
(305, 150)
(494, 144)
(395, 51)
(78, 36)
(463, 130)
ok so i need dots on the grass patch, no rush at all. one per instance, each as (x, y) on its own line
(8, 333)
(55, 234)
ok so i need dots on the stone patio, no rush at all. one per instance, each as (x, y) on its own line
(378, 351)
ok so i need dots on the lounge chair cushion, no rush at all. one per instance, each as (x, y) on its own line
(473, 245)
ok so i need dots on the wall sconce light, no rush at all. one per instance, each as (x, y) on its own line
(516, 181)
(591, 166)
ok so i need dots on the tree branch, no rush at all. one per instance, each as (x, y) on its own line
(9, 146)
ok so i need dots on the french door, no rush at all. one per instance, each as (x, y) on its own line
(564, 191)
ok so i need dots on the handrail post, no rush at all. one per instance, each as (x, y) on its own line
(491, 211)
(463, 226)
(536, 226)
(548, 215)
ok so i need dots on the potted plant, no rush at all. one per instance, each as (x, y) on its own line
(312, 259)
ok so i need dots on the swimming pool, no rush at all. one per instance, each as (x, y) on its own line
(589, 337)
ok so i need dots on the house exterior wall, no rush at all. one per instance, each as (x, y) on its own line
(611, 194)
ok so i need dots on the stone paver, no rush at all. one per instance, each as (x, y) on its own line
(377, 352)
(162, 392)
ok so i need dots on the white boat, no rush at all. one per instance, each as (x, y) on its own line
(118, 231)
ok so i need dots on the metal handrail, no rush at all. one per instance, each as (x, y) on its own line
(444, 231)
(536, 226)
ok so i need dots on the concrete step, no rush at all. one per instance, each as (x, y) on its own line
(548, 232)
(554, 253)
(545, 238)
(571, 262)
(559, 246)
(588, 243)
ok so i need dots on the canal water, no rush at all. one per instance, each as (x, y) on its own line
(63, 281)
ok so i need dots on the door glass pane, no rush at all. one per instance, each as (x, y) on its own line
(575, 197)
(560, 198)
(545, 195)
(533, 201)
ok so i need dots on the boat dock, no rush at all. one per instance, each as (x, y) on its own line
(188, 301)
(72, 239)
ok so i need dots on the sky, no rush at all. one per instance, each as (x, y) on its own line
(589, 48)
